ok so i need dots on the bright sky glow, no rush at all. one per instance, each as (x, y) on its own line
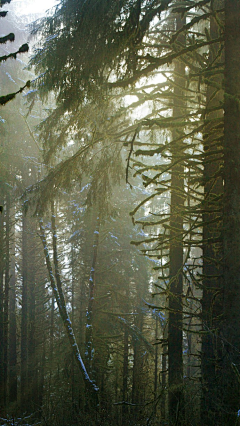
(32, 7)
(40, 6)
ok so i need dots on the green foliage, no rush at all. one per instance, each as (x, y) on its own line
(9, 37)
(23, 49)
(88, 53)
(83, 58)
(5, 99)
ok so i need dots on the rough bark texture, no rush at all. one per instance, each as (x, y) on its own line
(231, 224)
(1, 304)
(89, 317)
(125, 370)
(125, 378)
(175, 337)
(163, 377)
(6, 295)
(212, 249)
(137, 379)
(32, 340)
(156, 365)
(12, 326)
(24, 317)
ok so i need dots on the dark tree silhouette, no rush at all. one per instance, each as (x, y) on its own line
(23, 49)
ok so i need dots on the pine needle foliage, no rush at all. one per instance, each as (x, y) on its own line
(87, 40)
(129, 42)
(23, 49)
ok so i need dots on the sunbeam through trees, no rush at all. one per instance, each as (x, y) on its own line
(120, 213)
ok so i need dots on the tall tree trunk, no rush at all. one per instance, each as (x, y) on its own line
(231, 215)
(212, 249)
(156, 368)
(12, 324)
(89, 322)
(125, 367)
(1, 303)
(73, 321)
(163, 376)
(42, 374)
(156, 360)
(6, 295)
(116, 390)
(51, 354)
(175, 335)
(24, 316)
(59, 297)
(137, 365)
(32, 355)
(125, 378)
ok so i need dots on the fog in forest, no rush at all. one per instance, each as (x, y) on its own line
(120, 212)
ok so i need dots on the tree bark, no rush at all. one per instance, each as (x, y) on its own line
(24, 316)
(125, 378)
(89, 317)
(163, 376)
(12, 325)
(2, 398)
(175, 336)
(6, 295)
(59, 297)
(137, 364)
(32, 351)
(231, 215)
(212, 252)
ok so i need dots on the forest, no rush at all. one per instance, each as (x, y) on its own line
(120, 213)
